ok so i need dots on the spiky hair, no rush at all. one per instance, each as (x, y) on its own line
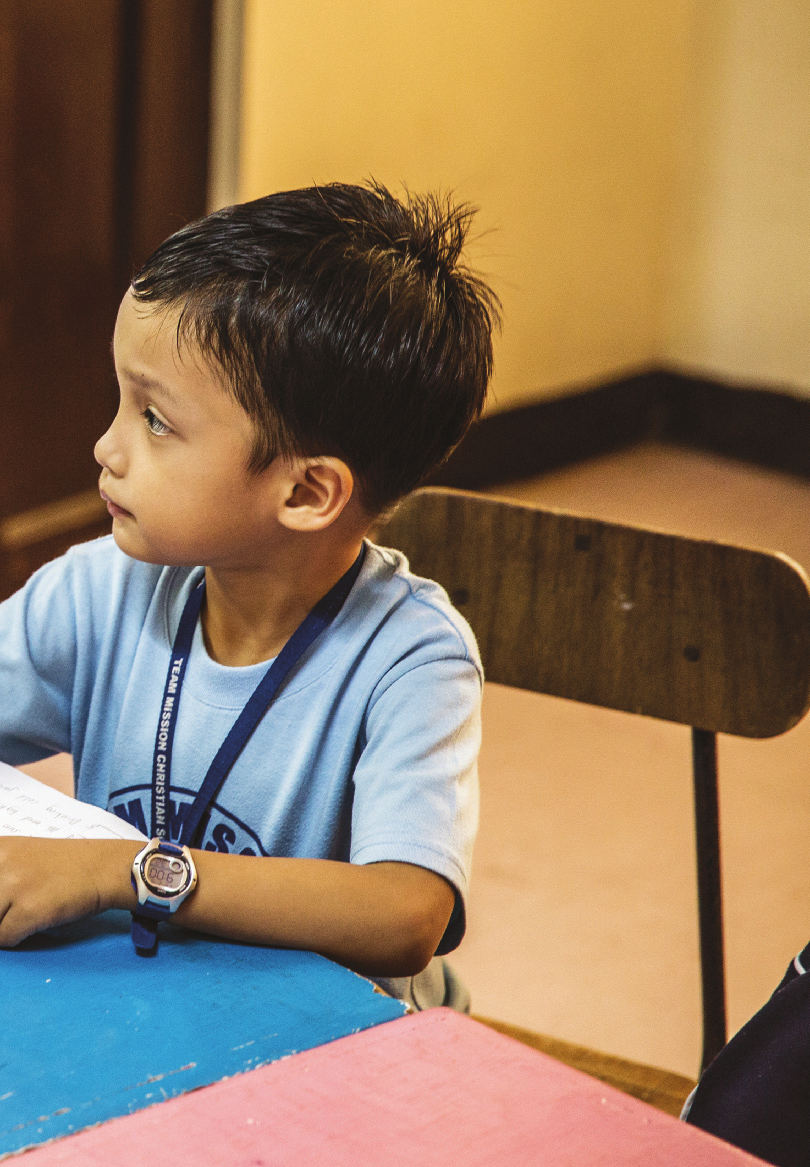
(345, 321)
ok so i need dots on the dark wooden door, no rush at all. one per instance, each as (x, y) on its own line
(103, 152)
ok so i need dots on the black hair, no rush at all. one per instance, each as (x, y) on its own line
(345, 322)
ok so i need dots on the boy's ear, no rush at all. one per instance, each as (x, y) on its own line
(316, 492)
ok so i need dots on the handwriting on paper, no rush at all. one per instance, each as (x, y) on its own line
(28, 807)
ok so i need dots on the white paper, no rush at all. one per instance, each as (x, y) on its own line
(31, 808)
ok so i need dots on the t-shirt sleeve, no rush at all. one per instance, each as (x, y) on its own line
(416, 780)
(37, 665)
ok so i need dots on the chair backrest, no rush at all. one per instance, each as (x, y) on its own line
(686, 630)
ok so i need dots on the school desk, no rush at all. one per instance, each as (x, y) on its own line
(89, 1030)
(433, 1089)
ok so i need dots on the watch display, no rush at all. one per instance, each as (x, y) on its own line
(165, 875)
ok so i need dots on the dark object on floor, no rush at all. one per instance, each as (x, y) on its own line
(756, 1092)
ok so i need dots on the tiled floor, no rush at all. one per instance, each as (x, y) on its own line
(582, 918)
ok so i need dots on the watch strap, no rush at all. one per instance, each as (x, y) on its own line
(144, 934)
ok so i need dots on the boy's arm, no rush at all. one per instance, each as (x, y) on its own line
(382, 919)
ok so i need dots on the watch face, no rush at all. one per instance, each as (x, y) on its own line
(165, 875)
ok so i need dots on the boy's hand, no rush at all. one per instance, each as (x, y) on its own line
(53, 881)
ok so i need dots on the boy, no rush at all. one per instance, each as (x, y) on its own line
(288, 369)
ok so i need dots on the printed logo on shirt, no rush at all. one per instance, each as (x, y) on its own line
(219, 829)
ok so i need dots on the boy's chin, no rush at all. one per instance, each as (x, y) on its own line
(138, 548)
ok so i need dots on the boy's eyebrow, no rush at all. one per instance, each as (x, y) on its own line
(149, 383)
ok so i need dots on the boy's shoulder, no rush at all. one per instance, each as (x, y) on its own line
(406, 608)
(99, 568)
(93, 586)
(87, 567)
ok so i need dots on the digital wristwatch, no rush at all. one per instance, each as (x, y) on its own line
(163, 875)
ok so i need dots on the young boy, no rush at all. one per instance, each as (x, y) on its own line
(288, 369)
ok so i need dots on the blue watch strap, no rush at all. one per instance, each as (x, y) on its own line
(144, 934)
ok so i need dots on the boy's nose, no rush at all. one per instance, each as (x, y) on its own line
(108, 452)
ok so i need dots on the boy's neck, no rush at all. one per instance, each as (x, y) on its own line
(250, 612)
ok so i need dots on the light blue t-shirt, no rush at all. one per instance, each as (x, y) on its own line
(368, 752)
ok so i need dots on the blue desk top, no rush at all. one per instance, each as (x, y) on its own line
(89, 1030)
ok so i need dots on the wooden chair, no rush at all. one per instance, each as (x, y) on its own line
(711, 636)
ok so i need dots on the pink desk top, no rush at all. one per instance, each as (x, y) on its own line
(429, 1090)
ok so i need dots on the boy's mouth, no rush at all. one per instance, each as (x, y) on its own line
(115, 510)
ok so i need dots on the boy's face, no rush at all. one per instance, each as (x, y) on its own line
(174, 459)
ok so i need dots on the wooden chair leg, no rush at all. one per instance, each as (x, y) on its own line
(710, 904)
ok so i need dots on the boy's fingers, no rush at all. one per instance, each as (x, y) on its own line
(6, 896)
(28, 914)
(13, 929)
(36, 891)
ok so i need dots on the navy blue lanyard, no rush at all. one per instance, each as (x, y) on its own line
(318, 619)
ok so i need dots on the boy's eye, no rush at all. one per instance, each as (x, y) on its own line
(154, 424)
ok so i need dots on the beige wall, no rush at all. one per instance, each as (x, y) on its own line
(556, 118)
(641, 165)
(740, 274)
